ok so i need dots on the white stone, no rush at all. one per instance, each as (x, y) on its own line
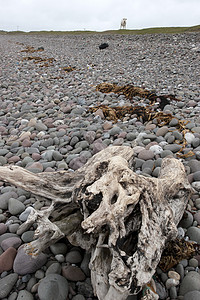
(189, 137)
(196, 185)
(156, 149)
(174, 275)
(171, 282)
(24, 215)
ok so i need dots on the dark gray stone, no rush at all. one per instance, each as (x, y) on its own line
(53, 286)
(186, 222)
(26, 264)
(193, 295)
(194, 234)
(25, 295)
(6, 284)
(190, 283)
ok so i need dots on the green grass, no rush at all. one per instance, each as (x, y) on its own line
(156, 30)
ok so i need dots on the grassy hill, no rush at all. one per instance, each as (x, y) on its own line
(155, 30)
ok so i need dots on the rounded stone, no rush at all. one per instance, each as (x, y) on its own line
(57, 156)
(196, 185)
(160, 290)
(6, 284)
(53, 286)
(187, 220)
(193, 262)
(130, 136)
(194, 165)
(15, 206)
(156, 149)
(193, 295)
(171, 282)
(73, 257)
(197, 217)
(115, 130)
(60, 258)
(73, 273)
(180, 270)
(3, 228)
(4, 198)
(166, 153)
(14, 242)
(54, 268)
(196, 176)
(39, 274)
(190, 283)
(173, 147)
(194, 234)
(162, 131)
(146, 154)
(24, 215)
(174, 275)
(58, 248)
(7, 259)
(78, 297)
(13, 228)
(26, 264)
(189, 137)
(27, 236)
(25, 295)
(173, 292)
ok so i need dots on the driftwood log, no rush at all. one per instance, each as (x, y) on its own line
(123, 219)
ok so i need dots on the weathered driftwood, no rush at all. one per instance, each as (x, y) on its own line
(122, 218)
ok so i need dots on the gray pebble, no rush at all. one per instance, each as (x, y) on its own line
(24, 215)
(78, 297)
(13, 296)
(173, 292)
(193, 295)
(52, 287)
(83, 145)
(194, 234)
(190, 283)
(25, 295)
(58, 248)
(4, 198)
(57, 156)
(115, 130)
(187, 221)
(15, 207)
(54, 268)
(194, 165)
(180, 270)
(173, 147)
(196, 176)
(166, 153)
(27, 236)
(73, 257)
(39, 274)
(196, 185)
(6, 284)
(161, 291)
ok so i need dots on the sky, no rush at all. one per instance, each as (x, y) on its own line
(98, 15)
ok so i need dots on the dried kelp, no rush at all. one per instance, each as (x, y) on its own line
(42, 61)
(176, 251)
(147, 114)
(68, 69)
(130, 91)
(30, 49)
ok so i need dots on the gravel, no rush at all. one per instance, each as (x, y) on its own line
(45, 126)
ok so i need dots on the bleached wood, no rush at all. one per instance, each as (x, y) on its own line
(122, 218)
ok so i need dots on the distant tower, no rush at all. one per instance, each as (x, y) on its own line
(123, 23)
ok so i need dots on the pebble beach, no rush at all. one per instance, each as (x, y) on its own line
(46, 125)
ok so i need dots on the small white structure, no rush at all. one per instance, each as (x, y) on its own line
(123, 23)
